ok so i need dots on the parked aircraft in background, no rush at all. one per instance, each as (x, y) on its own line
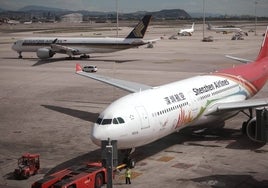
(150, 113)
(48, 47)
(224, 30)
(28, 22)
(187, 32)
(12, 22)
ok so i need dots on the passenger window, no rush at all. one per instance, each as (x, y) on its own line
(121, 120)
(106, 121)
(115, 121)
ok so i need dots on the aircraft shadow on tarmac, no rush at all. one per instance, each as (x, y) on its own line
(53, 60)
(42, 62)
(227, 181)
(232, 137)
(84, 115)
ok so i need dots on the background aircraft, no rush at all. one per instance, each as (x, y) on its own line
(48, 47)
(150, 113)
(224, 30)
(187, 32)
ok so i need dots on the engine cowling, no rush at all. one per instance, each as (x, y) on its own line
(44, 53)
(251, 129)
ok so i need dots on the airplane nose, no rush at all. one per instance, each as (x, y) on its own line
(14, 47)
(97, 135)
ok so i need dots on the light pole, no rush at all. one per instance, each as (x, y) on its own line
(117, 18)
(204, 19)
(255, 17)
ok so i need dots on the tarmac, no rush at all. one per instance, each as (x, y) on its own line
(47, 109)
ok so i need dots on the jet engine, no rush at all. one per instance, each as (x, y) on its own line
(251, 129)
(44, 53)
(257, 127)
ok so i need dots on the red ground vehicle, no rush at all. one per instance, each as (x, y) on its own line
(28, 165)
(91, 175)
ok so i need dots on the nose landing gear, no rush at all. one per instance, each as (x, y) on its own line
(20, 55)
(128, 160)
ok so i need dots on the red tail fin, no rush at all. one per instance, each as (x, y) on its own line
(264, 47)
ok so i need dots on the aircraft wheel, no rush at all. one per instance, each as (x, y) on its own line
(244, 127)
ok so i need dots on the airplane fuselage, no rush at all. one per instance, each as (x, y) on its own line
(225, 30)
(83, 45)
(47, 47)
(163, 110)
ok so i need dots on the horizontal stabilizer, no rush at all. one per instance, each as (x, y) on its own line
(238, 59)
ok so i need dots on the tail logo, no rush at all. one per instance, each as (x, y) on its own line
(138, 30)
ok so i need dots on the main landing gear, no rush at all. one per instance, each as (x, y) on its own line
(256, 128)
(245, 123)
(20, 55)
(85, 56)
(128, 160)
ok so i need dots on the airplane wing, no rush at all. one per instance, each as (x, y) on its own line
(233, 106)
(64, 49)
(122, 84)
(239, 59)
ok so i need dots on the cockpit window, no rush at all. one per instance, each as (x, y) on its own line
(121, 120)
(118, 120)
(115, 121)
(99, 121)
(106, 121)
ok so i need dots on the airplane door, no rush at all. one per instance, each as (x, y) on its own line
(143, 117)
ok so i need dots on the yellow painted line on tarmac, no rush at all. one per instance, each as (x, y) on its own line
(165, 158)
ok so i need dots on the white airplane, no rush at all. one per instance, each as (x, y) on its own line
(224, 30)
(150, 113)
(12, 22)
(28, 23)
(188, 31)
(48, 47)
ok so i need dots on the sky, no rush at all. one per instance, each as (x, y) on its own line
(229, 7)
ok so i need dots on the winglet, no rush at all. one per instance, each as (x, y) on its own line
(78, 67)
(140, 29)
(264, 47)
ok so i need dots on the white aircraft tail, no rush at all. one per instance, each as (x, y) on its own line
(192, 26)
